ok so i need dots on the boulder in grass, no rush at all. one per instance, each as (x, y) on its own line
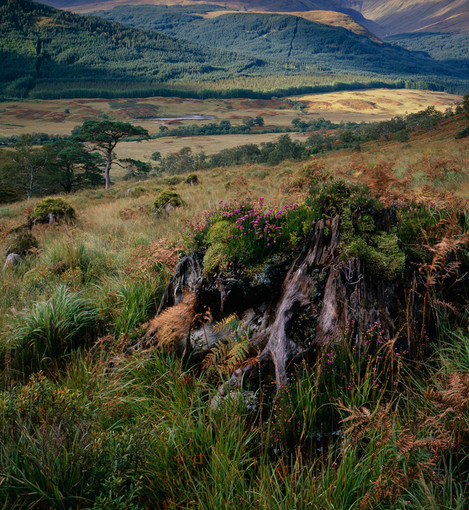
(192, 179)
(52, 210)
(167, 201)
(20, 241)
(11, 260)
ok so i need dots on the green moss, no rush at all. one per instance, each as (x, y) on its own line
(59, 208)
(21, 243)
(384, 258)
(168, 197)
(365, 224)
(359, 212)
(218, 253)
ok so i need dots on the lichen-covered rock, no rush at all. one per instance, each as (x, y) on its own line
(167, 201)
(11, 260)
(20, 242)
(52, 210)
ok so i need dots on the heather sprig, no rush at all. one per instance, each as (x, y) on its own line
(244, 231)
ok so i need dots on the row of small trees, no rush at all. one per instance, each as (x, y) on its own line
(82, 161)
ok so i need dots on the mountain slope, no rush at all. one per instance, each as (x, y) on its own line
(382, 17)
(329, 18)
(400, 16)
(283, 38)
(440, 46)
(39, 43)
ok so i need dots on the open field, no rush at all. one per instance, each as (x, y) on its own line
(375, 105)
(59, 117)
(208, 144)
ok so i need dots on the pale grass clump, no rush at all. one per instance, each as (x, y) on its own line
(171, 327)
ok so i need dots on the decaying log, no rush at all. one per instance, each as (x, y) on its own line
(343, 297)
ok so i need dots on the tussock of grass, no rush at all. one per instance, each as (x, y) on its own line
(50, 330)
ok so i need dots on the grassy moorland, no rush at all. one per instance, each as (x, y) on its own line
(59, 117)
(90, 422)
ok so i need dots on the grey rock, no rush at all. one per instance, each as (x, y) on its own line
(11, 260)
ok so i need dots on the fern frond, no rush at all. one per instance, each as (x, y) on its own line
(231, 322)
(216, 356)
(236, 356)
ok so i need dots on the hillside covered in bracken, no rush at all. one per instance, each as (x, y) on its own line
(280, 334)
(235, 255)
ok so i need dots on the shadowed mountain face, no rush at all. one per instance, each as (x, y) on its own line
(59, 45)
(382, 17)
(39, 43)
(290, 39)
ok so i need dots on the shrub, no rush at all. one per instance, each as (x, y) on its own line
(168, 198)
(244, 233)
(136, 192)
(174, 180)
(51, 329)
(52, 209)
(56, 452)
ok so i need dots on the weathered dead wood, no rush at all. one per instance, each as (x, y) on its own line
(350, 299)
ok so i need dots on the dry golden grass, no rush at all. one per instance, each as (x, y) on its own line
(168, 329)
(117, 218)
(208, 144)
(376, 104)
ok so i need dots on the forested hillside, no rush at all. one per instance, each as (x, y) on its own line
(441, 46)
(39, 43)
(284, 38)
(57, 52)
(383, 17)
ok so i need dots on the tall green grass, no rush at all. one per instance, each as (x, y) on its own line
(50, 330)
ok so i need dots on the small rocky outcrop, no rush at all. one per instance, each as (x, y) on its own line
(52, 210)
(11, 260)
(167, 201)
